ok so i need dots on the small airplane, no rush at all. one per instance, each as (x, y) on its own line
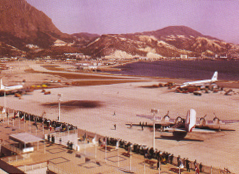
(201, 82)
(10, 89)
(181, 127)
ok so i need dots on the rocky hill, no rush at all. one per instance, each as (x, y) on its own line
(82, 39)
(25, 28)
(9, 51)
(167, 42)
(23, 24)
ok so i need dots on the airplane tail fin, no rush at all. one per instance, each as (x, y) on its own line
(215, 76)
(190, 120)
(2, 87)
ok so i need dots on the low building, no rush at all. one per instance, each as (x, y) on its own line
(183, 56)
(59, 43)
(223, 56)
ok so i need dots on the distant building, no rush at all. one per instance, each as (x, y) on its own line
(75, 55)
(31, 46)
(86, 66)
(183, 56)
(59, 43)
(223, 56)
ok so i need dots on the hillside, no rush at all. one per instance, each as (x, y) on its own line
(24, 28)
(23, 24)
(168, 42)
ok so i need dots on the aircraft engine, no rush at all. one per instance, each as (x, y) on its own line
(202, 121)
(166, 118)
(216, 120)
(216, 123)
(179, 119)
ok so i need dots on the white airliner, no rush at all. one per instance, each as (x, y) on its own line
(10, 89)
(202, 82)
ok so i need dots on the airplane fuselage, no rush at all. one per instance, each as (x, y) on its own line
(10, 89)
(202, 82)
(199, 82)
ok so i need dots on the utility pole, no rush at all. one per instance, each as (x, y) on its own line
(59, 106)
(154, 111)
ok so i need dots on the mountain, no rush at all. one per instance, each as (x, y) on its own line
(173, 30)
(9, 51)
(171, 41)
(83, 38)
(23, 24)
(26, 30)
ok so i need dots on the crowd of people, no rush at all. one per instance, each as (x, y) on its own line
(150, 153)
(47, 123)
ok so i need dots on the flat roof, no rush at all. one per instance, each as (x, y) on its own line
(9, 168)
(25, 138)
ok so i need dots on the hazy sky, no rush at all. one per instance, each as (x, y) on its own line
(217, 18)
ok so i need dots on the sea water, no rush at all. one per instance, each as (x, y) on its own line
(197, 69)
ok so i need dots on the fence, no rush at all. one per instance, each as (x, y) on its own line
(32, 167)
(203, 168)
(64, 137)
(11, 148)
(51, 167)
(14, 158)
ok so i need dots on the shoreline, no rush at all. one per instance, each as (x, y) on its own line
(162, 69)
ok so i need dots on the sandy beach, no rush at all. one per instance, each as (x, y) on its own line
(119, 103)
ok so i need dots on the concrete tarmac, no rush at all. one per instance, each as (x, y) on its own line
(119, 104)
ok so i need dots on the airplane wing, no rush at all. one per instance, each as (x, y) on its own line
(193, 130)
(139, 124)
(226, 121)
(203, 130)
(157, 119)
(151, 117)
(170, 129)
(219, 125)
(164, 124)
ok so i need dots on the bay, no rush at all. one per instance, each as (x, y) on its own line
(197, 69)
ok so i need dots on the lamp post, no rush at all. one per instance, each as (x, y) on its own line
(154, 111)
(59, 106)
(5, 108)
(4, 105)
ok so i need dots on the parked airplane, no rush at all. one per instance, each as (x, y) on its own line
(180, 127)
(10, 89)
(202, 82)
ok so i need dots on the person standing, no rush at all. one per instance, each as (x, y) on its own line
(200, 167)
(52, 139)
(48, 137)
(171, 159)
(196, 170)
(158, 163)
(60, 140)
(187, 165)
(178, 160)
